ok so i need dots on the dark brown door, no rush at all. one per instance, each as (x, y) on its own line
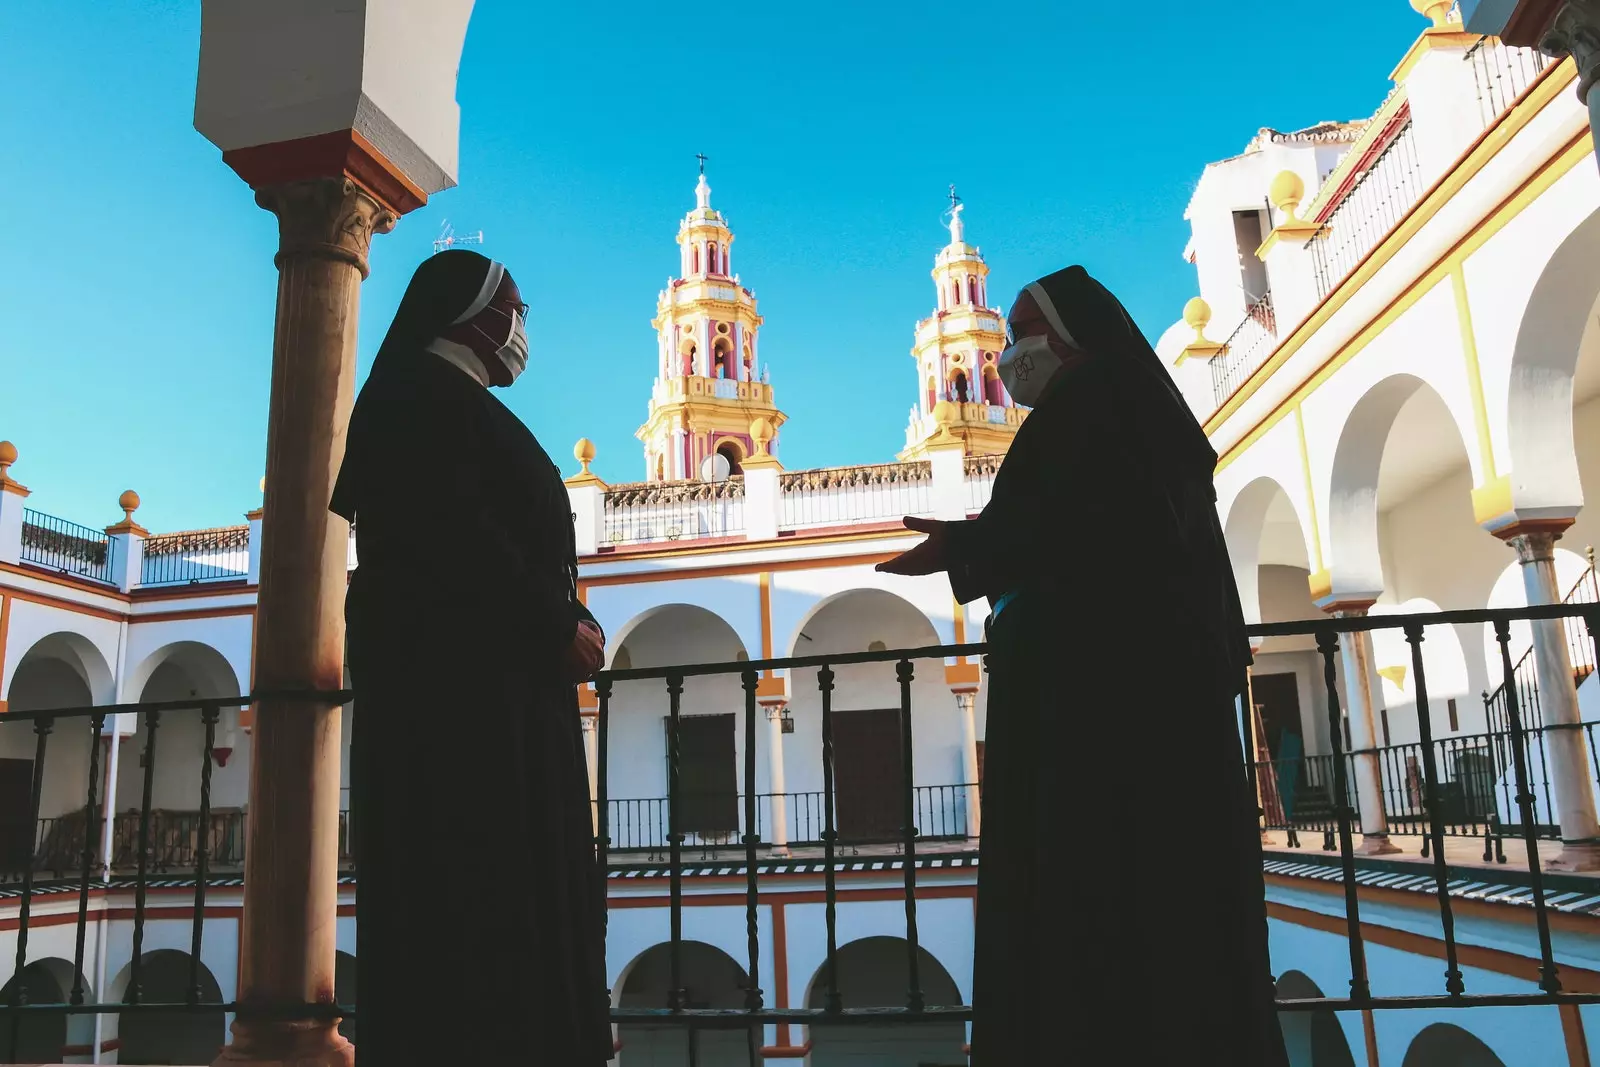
(1278, 697)
(16, 797)
(868, 775)
(708, 775)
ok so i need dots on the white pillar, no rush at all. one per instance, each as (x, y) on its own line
(966, 704)
(591, 757)
(127, 544)
(12, 494)
(779, 835)
(253, 575)
(1558, 700)
(1356, 654)
(947, 460)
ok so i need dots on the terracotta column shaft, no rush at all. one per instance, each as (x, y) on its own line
(287, 937)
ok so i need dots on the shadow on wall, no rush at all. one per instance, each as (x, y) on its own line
(43, 1038)
(710, 979)
(1445, 1045)
(1313, 1038)
(874, 972)
(170, 1037)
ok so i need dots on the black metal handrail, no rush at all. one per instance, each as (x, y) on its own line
(1245, 350)
(218, 555)
(1327, 632)
(67, 547)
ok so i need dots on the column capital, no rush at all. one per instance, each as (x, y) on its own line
(1575, 32)
(1534, 545)
(774, 708)
(590, 721)
(1349, 607)
(326, 218)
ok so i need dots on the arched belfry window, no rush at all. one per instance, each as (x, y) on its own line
(694, 260)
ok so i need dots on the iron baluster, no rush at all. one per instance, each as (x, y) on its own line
(752, 993)
(903, 672)
(675, 989)
(208, 716)
(1453, 982)
(91, 841)
(602, 837)
(152, 728)
(42, 725)
(832, 1000)
(1549, 981)
(1328, 645)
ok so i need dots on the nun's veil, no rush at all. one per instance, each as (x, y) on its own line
(1087, 316)
(447, 288)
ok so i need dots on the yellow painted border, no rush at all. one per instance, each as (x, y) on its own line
(1311, 492)
(1552, 81)
(5, 630)
(766, 614)
(1469, 351)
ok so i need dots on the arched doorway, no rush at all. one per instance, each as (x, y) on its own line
(1313, 1038)
(344, 990)
(711, 979)
(177, 1036)
(730, 451)
(874, 973)
(1447, 1045)
(41, 1038)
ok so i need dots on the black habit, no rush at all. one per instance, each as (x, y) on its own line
(480, 915)
(1120, 894)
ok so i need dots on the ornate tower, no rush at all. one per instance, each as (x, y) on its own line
(709, 386)
(959, 395)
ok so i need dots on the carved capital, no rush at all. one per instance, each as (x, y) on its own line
(327, 218)
(1575, 32)
(590, 722)
(1534, 546)
(775, 709)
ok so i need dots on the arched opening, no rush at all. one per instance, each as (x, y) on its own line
(711, 259)
(875, 972)
(972, 289)
(933, 392)
(176, 1036)
(722, 358)
(993, 391)
(955, 293)
(734, 454)
(710, 733)
(1447, 1045)
(344, 991)
(694, 260)
(711, 979)
(43, 1038)
(1312, 1038)
(958, 387)
(686, 354)
(869, 761)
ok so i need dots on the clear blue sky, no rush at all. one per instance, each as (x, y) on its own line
(138, 287)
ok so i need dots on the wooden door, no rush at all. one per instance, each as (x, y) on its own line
(708, 781)
(1278, 697)
(16, 829)
(869, 778)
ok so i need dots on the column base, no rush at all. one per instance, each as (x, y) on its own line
(1576, 856)
(297, 1043)
(780, 852)
(1376, 845)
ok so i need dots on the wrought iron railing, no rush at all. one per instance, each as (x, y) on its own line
(218, 555)
(67, 547)
(1245, 350)
(1373, 205)
(980, 474)
(833, 496)
(1427, 806)
(674, 511)
(1502, 73)
(1580, 653)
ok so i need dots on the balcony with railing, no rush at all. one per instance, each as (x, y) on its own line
(1245, 350)
(980, 472)
(1378, 194)
(195, 556)
(67, 547)
(674, 511)
(839, 496)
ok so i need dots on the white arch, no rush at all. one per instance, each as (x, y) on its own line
(1243, 528)
(819, 975)
(77, 652)
(213, 675)
(795, 638)
(629, 628)
(1356, 568)
(1555, 325)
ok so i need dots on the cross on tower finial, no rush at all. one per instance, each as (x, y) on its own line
(954, 199)
(701, 156)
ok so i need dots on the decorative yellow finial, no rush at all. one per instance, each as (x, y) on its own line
(944, 413)
(1197, 313)
(761, 434)
(583, 452)
(129, 503)
(263, 486)
(1286, 192)
(8, 456)
(1436, 10)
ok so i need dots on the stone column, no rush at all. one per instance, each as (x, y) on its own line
(966, 705)
(325, 227)
(1558, 701)
(591, 757)
(1355, 651)
(779, 835)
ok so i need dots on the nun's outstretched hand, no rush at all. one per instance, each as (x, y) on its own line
(586, 655)
(930, 557)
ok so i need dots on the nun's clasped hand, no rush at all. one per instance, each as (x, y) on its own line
(930, 557)
(586, 655)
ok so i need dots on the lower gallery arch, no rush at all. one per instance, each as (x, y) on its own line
(1313, 1038)
(176, 1036)
(44, 1038)
(1448, 1045)
(709, 978)
(874, 972)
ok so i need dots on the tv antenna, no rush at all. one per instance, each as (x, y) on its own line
(448, 238)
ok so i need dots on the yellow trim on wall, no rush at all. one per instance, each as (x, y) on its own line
(1491, 500)
(1469, 350)
(1580, 147)
(5, 629)
(766, 614)
(1487, 147)
(1311, 494)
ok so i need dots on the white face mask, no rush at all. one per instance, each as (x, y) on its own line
(1027, 367)
(514, 353)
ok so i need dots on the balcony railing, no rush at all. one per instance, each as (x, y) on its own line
(980, 472)
(673, 511)
(834, 496)
(1502, 73)
(1428, 793)
(1580, 653)
(67, 547)
(217, 555)
(1245, 350)
(1373, 205)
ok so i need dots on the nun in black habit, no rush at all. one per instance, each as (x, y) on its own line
(466, 641)
(1120, 896)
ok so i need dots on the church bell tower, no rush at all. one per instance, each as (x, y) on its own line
(709, 385)
(957, 353)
